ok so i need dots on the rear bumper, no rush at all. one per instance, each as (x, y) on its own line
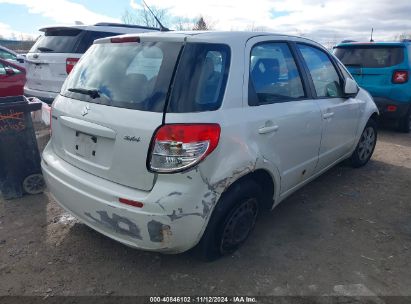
(47, 97)
(172, 219)
(383, 104)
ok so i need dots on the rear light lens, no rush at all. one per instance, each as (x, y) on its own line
(124, 39)
(400, 77)
(391, 108)
(70, 63)
(177, 147)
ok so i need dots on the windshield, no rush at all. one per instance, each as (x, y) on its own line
(128, 75)
(370, 56)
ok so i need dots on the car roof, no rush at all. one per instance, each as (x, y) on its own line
(227, 37)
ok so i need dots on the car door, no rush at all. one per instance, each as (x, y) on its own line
(340, 115)
(285, 119)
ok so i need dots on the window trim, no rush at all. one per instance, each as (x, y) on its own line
(310, 79)
(305, 84)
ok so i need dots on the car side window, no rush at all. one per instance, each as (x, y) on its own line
(2, 69)
(7, 56)
(326, 81)
(274, 76)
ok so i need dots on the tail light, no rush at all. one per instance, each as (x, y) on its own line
(70, 63)
(400, 77)
(177, 147)
(124, 39)
(391, 108)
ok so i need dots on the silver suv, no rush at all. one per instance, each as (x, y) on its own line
(164, 141)
(56, 52)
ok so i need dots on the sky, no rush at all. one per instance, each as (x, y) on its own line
(326, 21)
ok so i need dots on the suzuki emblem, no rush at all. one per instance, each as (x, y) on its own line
(85, 110)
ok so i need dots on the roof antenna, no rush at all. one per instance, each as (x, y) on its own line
(162, 27)
(372, 30)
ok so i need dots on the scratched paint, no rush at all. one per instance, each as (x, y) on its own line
(158, 232)
(117, 223)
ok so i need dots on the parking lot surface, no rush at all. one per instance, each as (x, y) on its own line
(346, 233)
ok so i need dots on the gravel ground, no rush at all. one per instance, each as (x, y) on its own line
(346, 233)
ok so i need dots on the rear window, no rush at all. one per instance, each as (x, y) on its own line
(138, 76)
(372, 56)
(88, 38)
(128, 75)
(57, 41)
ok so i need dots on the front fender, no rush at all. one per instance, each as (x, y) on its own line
(368, 109)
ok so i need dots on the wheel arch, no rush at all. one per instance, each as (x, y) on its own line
(264, 179)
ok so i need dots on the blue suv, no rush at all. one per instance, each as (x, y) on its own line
(383, 69)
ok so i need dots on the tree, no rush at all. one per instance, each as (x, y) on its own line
(402, 36)
(201, 25)
(144, 17)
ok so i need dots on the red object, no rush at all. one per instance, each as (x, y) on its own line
(124, 39)
(12, 79)
(391, 108)
(131, 202)
(400, 77)
(190, 133)
(70, 63)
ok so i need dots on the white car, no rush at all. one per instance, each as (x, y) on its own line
(12, 56)
(164, 141)
(55, 53)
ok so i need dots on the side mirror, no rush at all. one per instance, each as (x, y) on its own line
(9, 71)
(350, 88)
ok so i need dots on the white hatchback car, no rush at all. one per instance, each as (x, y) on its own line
(55, 53)
(163, 141)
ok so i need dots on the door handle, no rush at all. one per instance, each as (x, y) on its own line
(268, 129)
(328, 115)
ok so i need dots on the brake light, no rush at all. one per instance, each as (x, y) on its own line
(177, 147)
(400, 77)
(124, 39)
(70, 63)
(391, 108)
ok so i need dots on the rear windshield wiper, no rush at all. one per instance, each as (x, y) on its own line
(92, 93)
(44, 49)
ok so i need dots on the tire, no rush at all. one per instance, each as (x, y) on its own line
(34, 184)
(405, 123)
(232, 221)
(365, 146)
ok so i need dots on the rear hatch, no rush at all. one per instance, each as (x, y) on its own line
(373, 65)
(46, 60)
(110, 106)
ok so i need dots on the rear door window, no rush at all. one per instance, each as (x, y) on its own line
(370, 56)
(326, 80)
(57, 41)
(129, 75)
(200, 78)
